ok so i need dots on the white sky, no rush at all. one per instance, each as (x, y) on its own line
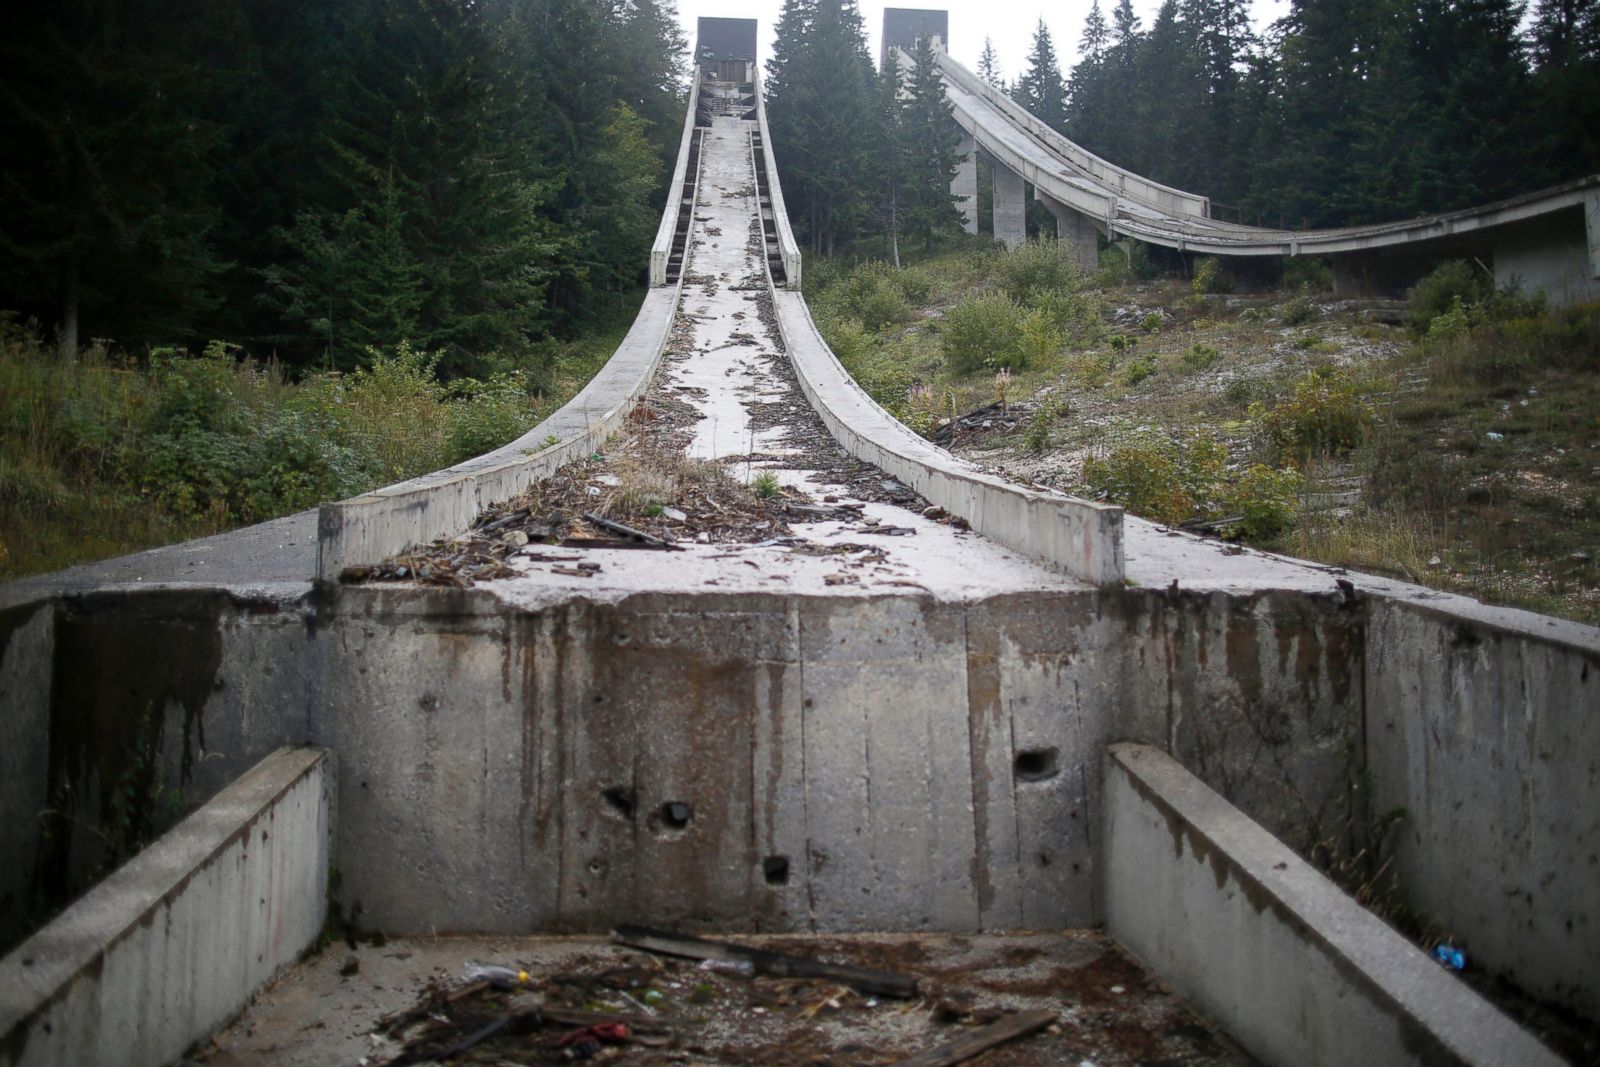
(1010, 23)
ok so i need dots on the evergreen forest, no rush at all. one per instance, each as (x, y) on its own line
(317, 180)
(1343, 112)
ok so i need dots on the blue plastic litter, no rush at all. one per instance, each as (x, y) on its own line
(1450, 956)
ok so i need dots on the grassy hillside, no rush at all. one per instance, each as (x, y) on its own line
(1451, 440)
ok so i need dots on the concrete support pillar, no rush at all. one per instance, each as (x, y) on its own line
(1074, 229)
(964, 186)
(1010, 207)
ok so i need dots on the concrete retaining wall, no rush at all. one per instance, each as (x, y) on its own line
(1488, 737)
(1558, 254)
(173, 944)
(1080, 537)
(908, 763)
(120, 711)
(1290, 966)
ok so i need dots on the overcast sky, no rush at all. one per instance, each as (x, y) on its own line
(1009, 22)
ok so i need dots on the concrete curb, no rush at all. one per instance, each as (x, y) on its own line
(376, 525)
(780, 213)
(661, 250)
(1081, 537)
(174, 943)
(1289, 965)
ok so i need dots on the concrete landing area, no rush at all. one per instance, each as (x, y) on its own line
(1111, 1010)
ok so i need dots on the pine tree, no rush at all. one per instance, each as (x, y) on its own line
(106, 208)
(1096, 36)
(1041, 89)
(1222, 41)
(928, 129)
(1087, 104)
(1118, 85)
(989, 64)
(892, 161)
(1166, 104)
(1565, 42)
(824, 115)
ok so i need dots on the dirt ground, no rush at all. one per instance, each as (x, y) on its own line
(371, 1004)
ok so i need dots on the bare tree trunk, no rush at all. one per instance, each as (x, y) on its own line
(69, 315)
(894, 227)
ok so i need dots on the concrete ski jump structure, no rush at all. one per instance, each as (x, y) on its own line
(1547, 241)
(1066, 717)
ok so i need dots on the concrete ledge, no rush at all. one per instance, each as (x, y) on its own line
(1078, 536)
(170, 946)
(661, 250)
(372, 527)
(780, 214)
(1290, 966)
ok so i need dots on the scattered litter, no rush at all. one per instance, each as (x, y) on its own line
(1491, 435)
(1450, 957)
(498, 976)
(765, 962)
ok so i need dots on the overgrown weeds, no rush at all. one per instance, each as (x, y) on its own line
(112, 453)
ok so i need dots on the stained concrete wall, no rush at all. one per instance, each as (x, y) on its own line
(119, 712)
(846, 763)
(168, 948)
(1295, 970)
(1489, 739)
(1557, 254)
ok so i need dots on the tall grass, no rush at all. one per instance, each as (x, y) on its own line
(111, 454)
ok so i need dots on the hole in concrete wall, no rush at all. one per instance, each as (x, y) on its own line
(676, 815)
(619, 799)
(775, 869)
(1038, 764)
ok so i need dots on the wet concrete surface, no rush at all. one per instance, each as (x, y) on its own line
(1110, 1010)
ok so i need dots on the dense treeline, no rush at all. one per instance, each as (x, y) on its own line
(1343, 112)
(1346, 111)
(319, 178)
(859, 152)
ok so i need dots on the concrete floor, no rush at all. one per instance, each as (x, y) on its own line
(1111, 1011)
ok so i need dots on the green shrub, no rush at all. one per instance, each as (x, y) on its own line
(1036, 437)
(884, 376)
(1076, 314)
(915, 284)
(487, 414)
(1152, 322)
(1038, 266)
(1139, 369)
(1326, 414)
(983, 332)
(1244, 391)
(1038, 338)
(1265, 499)
(1453, 284)
(1159, 478)
(876, 293)
(1200, 356)
(1299, 311)
(1121, 342)
(1210, 277)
